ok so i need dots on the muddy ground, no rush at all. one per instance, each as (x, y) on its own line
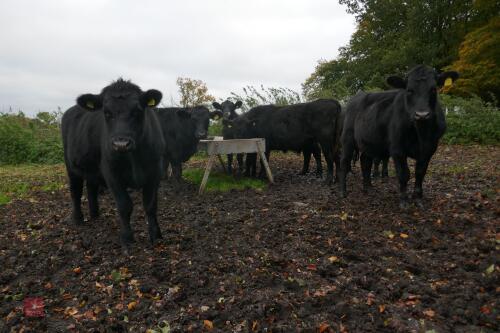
(291, 258)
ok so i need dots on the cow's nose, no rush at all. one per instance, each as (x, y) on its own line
(422, 115)
(122, 144)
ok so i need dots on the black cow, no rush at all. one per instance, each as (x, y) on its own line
(182, 130)
(294, 127)
(228, 110)
(401, 123)
(115, 138)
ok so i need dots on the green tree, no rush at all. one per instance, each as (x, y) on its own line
(393, 36)
(479, 63)
(193, 92)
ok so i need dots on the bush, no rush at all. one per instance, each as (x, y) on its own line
(27, 140)
(471, 121)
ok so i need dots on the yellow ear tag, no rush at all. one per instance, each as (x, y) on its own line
(152, 102)
(90, 104)
(448, 82)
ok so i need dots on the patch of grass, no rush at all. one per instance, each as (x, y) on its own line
(18, 181)
(221, 182)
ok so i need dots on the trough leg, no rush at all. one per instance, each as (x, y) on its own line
(206, 174)
(263, 160)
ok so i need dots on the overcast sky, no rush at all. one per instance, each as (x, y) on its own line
(52, 51)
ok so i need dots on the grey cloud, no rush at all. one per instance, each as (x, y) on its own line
(53, 51)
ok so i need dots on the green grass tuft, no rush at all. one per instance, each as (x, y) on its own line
(222, 182)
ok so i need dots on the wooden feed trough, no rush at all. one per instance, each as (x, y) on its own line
(218, 147)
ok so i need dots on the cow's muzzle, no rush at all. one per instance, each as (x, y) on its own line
(421, 115)
(122, 144)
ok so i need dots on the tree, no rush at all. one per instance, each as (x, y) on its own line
(393, 36)
(479, 63)
(193, 92)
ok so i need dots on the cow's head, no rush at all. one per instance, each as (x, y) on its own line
(124, 105)
(420, 86)
(199, 117)
(228, 108)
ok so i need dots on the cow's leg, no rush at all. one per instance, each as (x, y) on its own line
(250, 164)
(366, 169)
(150, 203)
(230, 164)
(376, 167)
(239, 159)
(177, 172)
(316, 151)
(306, 153)
(403, 173)
(328, 153)
(124, 206)
(76, 189)
(385, 167)
(345, 164)
(92, 194)
(420, 171)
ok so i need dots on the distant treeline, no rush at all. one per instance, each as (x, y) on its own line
(38, 140)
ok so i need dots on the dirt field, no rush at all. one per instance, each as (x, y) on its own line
(291, 258)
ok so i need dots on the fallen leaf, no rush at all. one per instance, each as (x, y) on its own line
(389, 234)
(77, 270)
(323, 327)
(311, 267)
(343, 216)
(333, 259)
(403, 235)
(429, 313)
(254, 325)
(485, 309)
(119, 306)
(208, 324)
(381, 308)
(132, 305)
(490, 269)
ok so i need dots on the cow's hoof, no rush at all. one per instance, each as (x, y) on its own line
(76, 219)
(154, 235)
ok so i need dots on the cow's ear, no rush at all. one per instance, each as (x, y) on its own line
(184, 113)
(150, 98)
(216, 115)
(447, 78)
(217, 105)
(238, 104)
(396, 82)
(89, 102)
